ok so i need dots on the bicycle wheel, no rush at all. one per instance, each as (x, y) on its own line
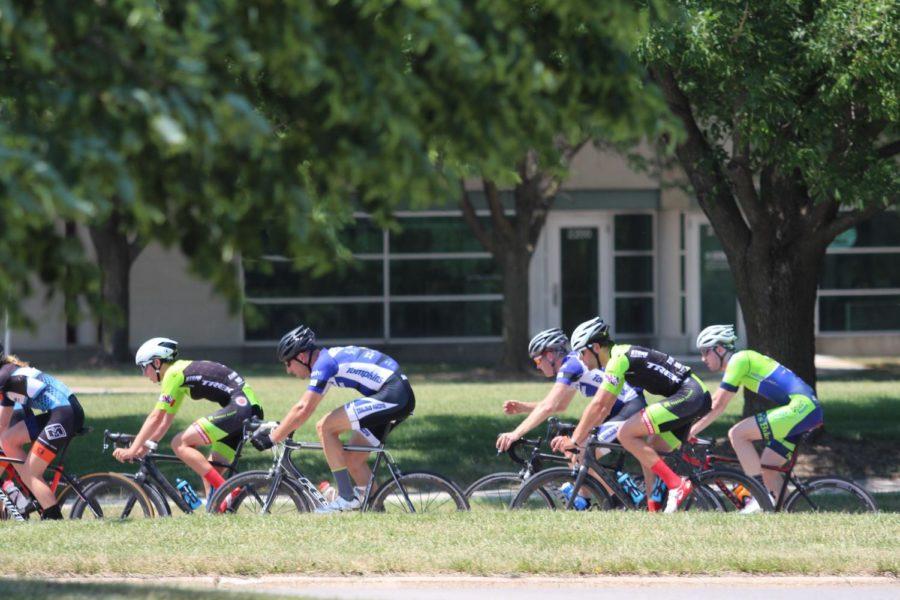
(113, 496)
(252, 493)
(726, 490)
(544, 490)
(426, 492)
(830, 494)
(494, 491)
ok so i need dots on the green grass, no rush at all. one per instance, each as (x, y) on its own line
(29, 590)
(466, 543)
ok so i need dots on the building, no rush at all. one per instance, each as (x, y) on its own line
(616, 244)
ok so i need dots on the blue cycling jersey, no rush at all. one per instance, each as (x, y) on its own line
(574, 373)
(30, 388)
(356, 367)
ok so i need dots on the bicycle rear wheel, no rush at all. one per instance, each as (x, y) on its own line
(494, 491)
(425, 493)
(726, 490)
(543, 491)
(253, 493)
(113, 496)
(830, 494)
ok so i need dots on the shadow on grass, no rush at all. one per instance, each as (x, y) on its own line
(31, 589)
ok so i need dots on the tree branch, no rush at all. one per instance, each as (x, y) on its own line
(889, 150)
(845, 220)
(502, 226)
(471, 218)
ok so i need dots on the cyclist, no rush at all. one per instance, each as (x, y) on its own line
(552, 355)
(387, 396)
(49, 433)
(201, 380)
(798, 408)
(669, 421)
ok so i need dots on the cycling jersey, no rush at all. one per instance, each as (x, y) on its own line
(202, 380)
(574, 373)
(362, 369)
(798, 409)
(652, 370)
(31, 388)
(765, 376)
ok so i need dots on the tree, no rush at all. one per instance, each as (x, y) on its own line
(789, 112)
(587, 85)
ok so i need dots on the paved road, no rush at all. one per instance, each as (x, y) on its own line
(540, 588)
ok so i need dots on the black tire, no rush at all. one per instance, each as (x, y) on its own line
(254, 491)
(726, 490)
(427, 492)
(494, 491)
(157, 497)
(830, 494)
(542, 492)
(113, 496)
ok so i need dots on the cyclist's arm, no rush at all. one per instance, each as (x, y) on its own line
(594, 414)
(720, 400)
(556, 401)
(5, 417)
(297, 415)
(515, 407)
(155, 426)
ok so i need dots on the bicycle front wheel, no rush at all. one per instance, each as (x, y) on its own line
(830, 494)
(494, 491)
(419, 492)
(726, 490)
(550, 490)
(256, 493)
(112, 496)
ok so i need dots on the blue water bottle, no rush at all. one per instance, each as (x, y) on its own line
(580, 502)
(630, 486)
(659, 491)
(188, 494)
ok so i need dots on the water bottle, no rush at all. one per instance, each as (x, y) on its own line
(188, 494)
(15, 496)
(659, 491)
(580, 502)
(742, 494)
(630, 486)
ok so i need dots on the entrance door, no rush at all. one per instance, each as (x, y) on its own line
(578, 274)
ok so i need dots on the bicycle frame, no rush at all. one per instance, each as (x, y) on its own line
(59, 474)
(786, 470)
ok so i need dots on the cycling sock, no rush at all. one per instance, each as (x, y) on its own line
(345, 486)
(663, 471)
(51, 513)
(214, 478)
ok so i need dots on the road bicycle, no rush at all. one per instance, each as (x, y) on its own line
(828, 493)
(95, 496)
(285, 489)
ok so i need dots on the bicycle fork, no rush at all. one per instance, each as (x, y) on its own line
(10, 507)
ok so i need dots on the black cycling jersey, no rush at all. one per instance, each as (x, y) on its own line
(655, 371)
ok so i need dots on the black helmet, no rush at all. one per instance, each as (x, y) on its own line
(295, 341)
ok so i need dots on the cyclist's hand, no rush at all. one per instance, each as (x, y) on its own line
(261, 440)
(505, 440)
(512, 407)
(562, 443)
(124, 454)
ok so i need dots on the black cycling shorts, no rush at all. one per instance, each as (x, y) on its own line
(393, 402)
(224, 429)
(52, 431)
(673, 417)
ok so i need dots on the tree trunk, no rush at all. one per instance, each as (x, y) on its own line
(777, 287)
(514, 266)
(115, 255)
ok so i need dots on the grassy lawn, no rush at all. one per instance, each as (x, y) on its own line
(467, 543)
(28, 590)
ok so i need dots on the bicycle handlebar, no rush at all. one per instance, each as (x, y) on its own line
(119, 440)
(512, 451)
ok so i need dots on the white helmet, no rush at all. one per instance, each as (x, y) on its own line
(159, 347)
(549, 339)
(590, 332)
(717, 335)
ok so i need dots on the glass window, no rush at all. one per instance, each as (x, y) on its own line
(859, 313)
(363, 236)
(445, 276)
(861, 271)
(718, 296)
(278, 279)
(634, 315)
(445, 319)
(354, 321)
(436, 234)
(578, 258)
(634, 273)
(634, 232)
(883, 230)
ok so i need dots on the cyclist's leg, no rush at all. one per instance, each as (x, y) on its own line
(215, 430)
(742, 436)
(60, 427)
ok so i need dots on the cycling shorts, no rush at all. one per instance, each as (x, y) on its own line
(608, 432)
(672, 418)
(393, 402)
(224, 429)
(52, 431)
(782, 426)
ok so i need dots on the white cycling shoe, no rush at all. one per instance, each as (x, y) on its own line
(339, 505)
(753, 506)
